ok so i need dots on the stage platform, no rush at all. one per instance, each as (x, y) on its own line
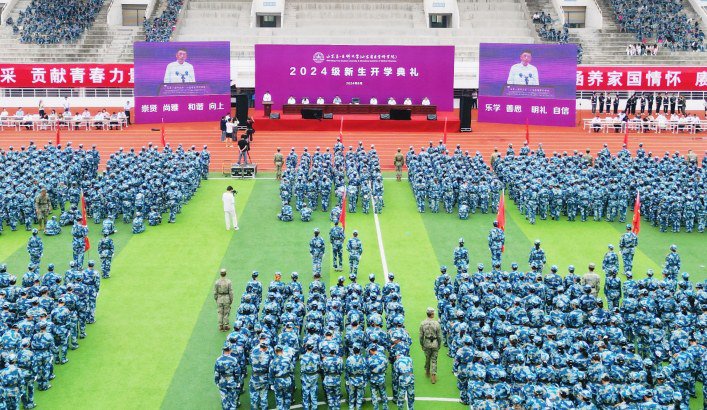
(357, 123)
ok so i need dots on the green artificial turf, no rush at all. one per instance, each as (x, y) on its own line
(156, 338)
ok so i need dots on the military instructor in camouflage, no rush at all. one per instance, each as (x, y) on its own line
(399, 161)
(430, 340)
(223, 294)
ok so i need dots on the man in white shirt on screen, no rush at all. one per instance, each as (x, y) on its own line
(320, 100)
(407, 101)
(291, 100)
(179, 71)
(267, 97)
(524, 73)
(305, 100)
(337, 100)
(425, 101)
(391, 101)
(373, 101)
(229, 208)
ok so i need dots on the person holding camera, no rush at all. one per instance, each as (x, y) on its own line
(229, 208)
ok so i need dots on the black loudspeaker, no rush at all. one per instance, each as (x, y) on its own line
(242, 108)
(328, 116)
(385, 116)
(274, 115)
(312, 113)
(400, 114)
(431, 117)
(465, 114)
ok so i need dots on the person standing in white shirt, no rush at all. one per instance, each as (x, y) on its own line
(229, 208)
(67, 107)
(126, 108)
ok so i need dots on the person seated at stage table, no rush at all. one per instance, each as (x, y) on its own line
(114, 121)
(99, 120)
(662, 121)
(52, 116)
(407, 101)
(19, 113)
(305, 100)
(373, 101)
(337, 100)
(596, 123)
(122, 118)
(27, 121)
(391, 101)
(320, 100)
(425, 101)
(267, 97)
(291, 100)
(4, 114)
(86, 115)
(617, 122)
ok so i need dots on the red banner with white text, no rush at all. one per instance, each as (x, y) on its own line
(66, 75)
(636, 78)
(589, 78)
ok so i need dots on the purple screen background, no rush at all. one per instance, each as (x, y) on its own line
(434, 64)
(212, 65)
(557, 66)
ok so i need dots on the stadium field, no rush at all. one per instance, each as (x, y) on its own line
(156, 336)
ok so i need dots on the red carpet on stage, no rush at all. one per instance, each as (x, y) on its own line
(358, 123)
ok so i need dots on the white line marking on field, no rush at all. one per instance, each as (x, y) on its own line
(381, 249)
(433, 399)
(272, 178)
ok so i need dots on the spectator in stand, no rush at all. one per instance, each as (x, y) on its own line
(662, 20)
(159, 29)
(51, 22)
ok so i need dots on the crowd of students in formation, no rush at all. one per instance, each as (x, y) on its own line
(603, 187)
(353, 175)
(537, 340)
(44, 314)
(356, 331)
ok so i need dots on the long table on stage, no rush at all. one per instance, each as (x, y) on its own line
(359, 108)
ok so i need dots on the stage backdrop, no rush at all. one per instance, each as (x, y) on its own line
(182, 81)
(527, 82)
(362, 72)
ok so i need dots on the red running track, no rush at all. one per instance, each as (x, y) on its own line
(484, 138)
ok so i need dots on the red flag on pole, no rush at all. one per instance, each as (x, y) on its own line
(626, 136)
(527, 132)
(341, 130)
(58, 135)
(164, 135)
(637, 214)
(445, 131)
(86, 242)
(342, 215)
(501, 217)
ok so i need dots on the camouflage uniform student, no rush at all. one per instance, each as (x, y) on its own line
(223, 295)
(430, 341)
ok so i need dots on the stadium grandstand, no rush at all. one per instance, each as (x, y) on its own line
(441, 204)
